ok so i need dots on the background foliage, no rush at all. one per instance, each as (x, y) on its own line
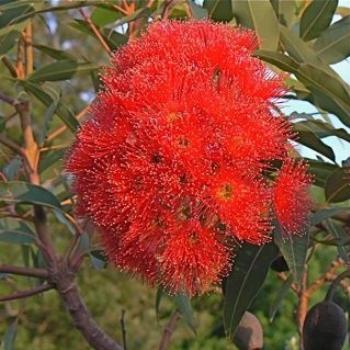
(71, 42)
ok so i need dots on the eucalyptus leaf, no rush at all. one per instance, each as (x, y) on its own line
(333, 44)
(281, 294)
(61, 70)
(184, 306)
(10, 336)
(338, 186)
(316, 18)
(294, 250)
(62, 111)
(260, 16)
(23, 192)
(244, 282)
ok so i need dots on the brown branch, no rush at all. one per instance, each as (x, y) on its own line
(122, 325)
(96, 32)
(27, 293)
(82, 319)
(24, 271)
(11, 145)
(167, 5)
(9, 100)
(326, 277)
(28, 48)
(303, 302)
(9, 66)
(168, 331)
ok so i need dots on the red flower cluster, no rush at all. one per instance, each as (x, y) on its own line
(176, 163)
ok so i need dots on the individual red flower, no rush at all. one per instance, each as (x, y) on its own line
(171, 168)
(291, 198)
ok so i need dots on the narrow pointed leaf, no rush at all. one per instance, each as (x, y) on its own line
(260, 16)
(62, 111)
(316, 18)
(333, 44)
(244, 282)
(294, 250)
(61, 70)
(338, 186)
(23, 192)
(280, 296)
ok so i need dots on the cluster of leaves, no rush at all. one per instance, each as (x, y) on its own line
(297, 37)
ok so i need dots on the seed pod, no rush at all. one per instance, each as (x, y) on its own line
(279, 265)
(249, 334)
(325, 327)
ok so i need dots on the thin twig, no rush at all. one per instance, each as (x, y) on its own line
(96, 32)
(24, 271)
(27, 293)
(122, 325)
(63, 128)
(166, 9)
(335, 283)
(11, 145)
(9, 66)
(9, 100)
(168, 331)
(324, 278)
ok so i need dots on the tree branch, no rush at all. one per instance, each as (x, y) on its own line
(169, 330)
(11, 145)
(82, 319)
(9, 100)
(24, 271)
(27, 293)
(96, 32)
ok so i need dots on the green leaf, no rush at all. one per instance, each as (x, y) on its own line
(316, 18)
(62, 111)
(338, 186)
(10, 336)
(297, 48)
(219, 10)
(102, 16)
(307, 138)
(12, 168)
(321, 129)
(48, 116)
(16, 237)
(23, 192)
(54, 53)
(321, 171)
(8, 41)
(98, 259)
(280, 296)
(61, 70)
(159, 295)
(245, 280)
(183, 304)
(260, 16)
(333, 44)
(294, 250)
(279, 60)
(340, 236)
(329, 91)
(16, 232)
(285, 11)
(198, 12)
(14, 15)
(326, 213)
(50, 158)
